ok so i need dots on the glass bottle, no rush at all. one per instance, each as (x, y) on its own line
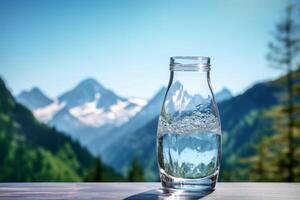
(189, 128)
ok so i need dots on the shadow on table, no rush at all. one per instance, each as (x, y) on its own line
(168, 194)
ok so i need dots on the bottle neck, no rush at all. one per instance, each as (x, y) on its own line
(190, 75)
(194, 82)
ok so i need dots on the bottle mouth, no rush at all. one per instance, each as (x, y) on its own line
(189, 63)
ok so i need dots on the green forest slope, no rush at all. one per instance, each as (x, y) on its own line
(31, 151)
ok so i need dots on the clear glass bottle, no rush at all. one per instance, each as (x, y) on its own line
(189, 128)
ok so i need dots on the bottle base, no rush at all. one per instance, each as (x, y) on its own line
(190, 185)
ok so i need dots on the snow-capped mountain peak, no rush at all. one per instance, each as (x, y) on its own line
(84, 92)
(89, 104)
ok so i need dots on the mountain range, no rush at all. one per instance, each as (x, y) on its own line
(89, 112)
(84, 111)
(100, 119)
(244, 120)
(244, 124)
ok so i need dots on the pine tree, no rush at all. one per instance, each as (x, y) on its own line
(95, 173)
(284, 53)
(135, 172)
(275, 158)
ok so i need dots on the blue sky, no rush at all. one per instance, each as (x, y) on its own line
(126, 44)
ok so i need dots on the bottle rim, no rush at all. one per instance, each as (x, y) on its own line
(189, 63)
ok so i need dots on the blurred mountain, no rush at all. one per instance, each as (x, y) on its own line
(241, 118)
(223, 95)
(106, 123)
(116, 135)
(30, 151)
(33, 99)
(88, 110)
(244, 124)
(138, 136)
(90, 90)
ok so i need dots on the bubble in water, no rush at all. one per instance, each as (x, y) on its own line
(189, 146)
(195, 121)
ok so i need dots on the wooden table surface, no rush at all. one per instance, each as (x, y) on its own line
(224, 191)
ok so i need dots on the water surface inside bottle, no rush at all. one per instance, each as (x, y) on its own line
(186, 149)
